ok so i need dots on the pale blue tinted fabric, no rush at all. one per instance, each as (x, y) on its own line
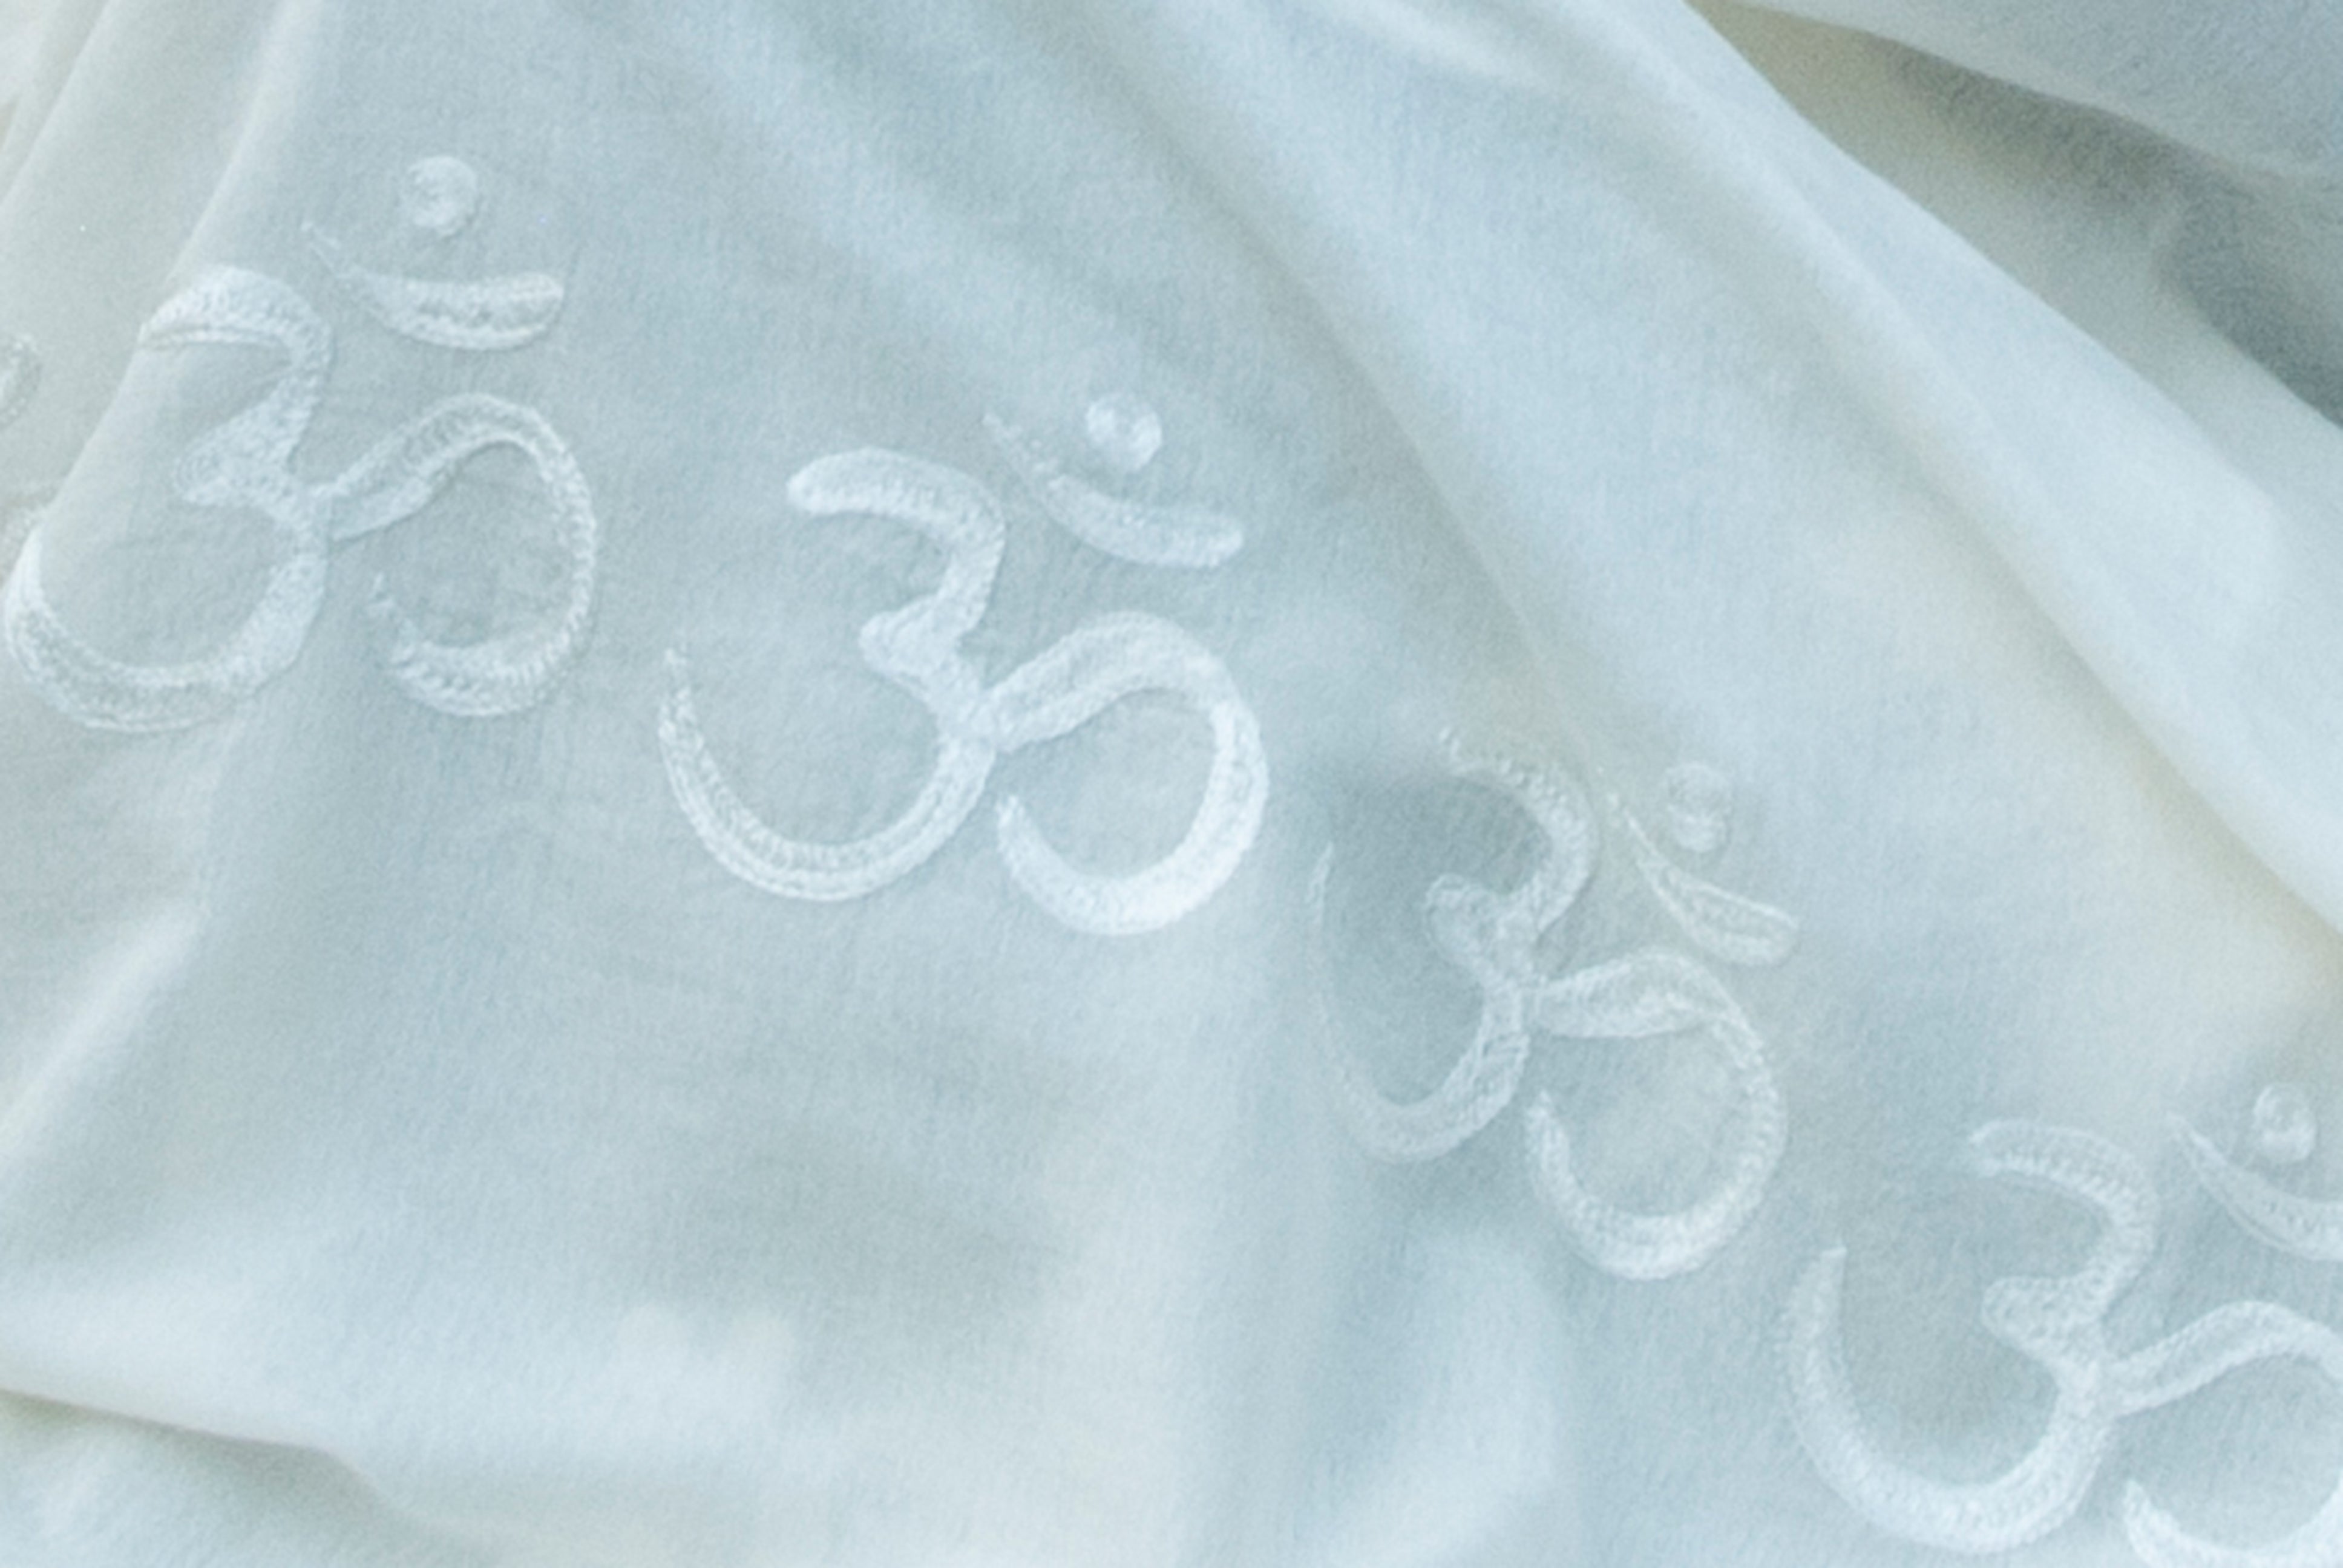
(961, 783)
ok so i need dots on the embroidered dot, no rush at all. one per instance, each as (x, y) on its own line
(1124, 430)
(2286, 1129)
(440, 194)
(1698, 802)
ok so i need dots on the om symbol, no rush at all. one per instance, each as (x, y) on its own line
(2060, 1324)
(1655, 992)
(916, 648)
(248, 463)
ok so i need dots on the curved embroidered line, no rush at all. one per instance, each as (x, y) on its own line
(243, 463)
(247, 460)
(106, 693)
(1072, 682)
(2229, 1337)
(2306, 1226)
(796, 867)
(1480, 1083)
(2059, 1323)
(1556, 807)
(1644, 996)
(20, 508)
(476, 314)
(2034, 1497)
(1492, 938)
(20, 380)
(1726, 925)
(1148, 536)
(2041, 1316)
(916, 647)
(2221, 1342)
(401, 476)
(20, 377)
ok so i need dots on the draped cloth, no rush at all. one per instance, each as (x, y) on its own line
(1054, 782)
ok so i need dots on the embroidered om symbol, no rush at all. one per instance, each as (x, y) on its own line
(249, 462)
(1059, 690)
(2060, 1324)
(1495, 938)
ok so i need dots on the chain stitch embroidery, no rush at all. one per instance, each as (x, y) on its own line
(20, 382)
(1124, 429)
(1696, 802)
(20, 377)
(1493, 937)
(1725, 925)
(439, 195)
(1126, 433)
(247, 462)
(2060, 1324)
(1052, 694)
(2285, 1131)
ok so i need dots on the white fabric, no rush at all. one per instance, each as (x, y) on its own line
(1367, 782)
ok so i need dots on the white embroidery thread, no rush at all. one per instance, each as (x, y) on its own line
(2060, 1324)
(2285, 1131)
(1494, 938)
(1127, 433)
(439, 195)
(1056, 692)
(20, 381)
(1644, 996)
(476, 316)
(1698, 804)
(1124, 429)
(20, 377)
(248, 463)
(400, 477)
(245, 462)
(1725, 925)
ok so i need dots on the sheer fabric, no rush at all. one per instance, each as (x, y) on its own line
(1363, 782)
